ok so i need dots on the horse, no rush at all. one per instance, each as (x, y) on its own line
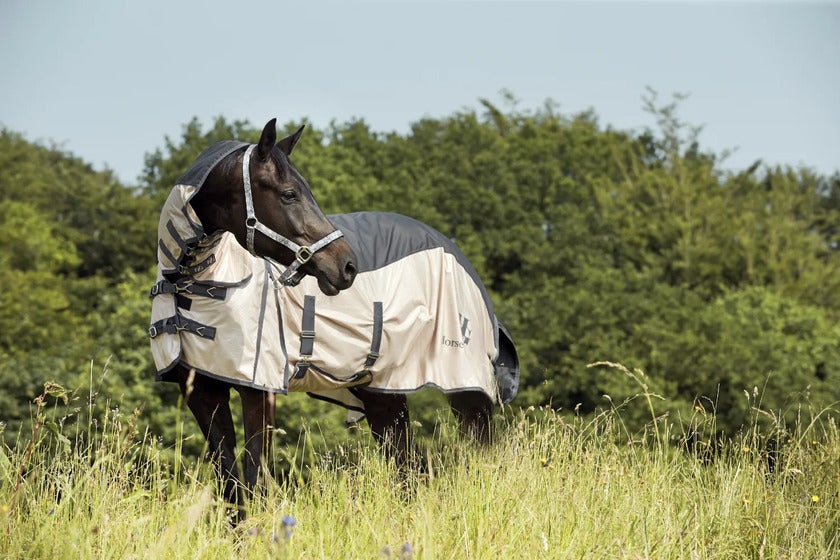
(248, 200)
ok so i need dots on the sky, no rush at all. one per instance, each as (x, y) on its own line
(110, 80)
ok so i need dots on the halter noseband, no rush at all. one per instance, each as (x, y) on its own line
(291, 276)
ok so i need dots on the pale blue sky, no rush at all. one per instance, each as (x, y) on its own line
(108, 80)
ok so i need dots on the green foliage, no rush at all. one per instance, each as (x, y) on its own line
(778, 351)
(597, 245)
(90, 213)
(30, 242)
(67, 234)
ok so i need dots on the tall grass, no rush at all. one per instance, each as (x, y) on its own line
(554, 486)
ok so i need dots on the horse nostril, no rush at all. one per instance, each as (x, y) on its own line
(350, 270)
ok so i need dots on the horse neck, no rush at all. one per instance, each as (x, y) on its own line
(219, 204)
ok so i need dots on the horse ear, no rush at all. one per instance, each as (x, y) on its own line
(267, 138)
(288, 143)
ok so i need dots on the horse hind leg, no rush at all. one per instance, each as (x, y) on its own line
(474, 412)
(387, 416)
(209, 401)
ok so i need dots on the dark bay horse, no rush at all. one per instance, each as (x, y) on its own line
(275, 216)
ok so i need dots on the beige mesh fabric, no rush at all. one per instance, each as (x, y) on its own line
(435, 329)
(247, 347)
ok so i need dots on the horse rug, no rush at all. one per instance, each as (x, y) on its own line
(416, 316)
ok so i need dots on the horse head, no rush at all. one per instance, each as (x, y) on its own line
(258, 195)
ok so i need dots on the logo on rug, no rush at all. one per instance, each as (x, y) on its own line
(466, 332)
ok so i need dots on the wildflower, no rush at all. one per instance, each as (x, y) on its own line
(815, 498)
(289, 523)
(385, 552)
(406, 551)
(746, 449)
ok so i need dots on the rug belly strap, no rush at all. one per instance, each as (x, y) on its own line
(376, 339)
(306, 354)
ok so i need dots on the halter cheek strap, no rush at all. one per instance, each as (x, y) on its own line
(290, 276)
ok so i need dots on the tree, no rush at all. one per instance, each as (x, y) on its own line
(37, 322)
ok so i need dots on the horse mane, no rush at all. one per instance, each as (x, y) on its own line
(230, 162)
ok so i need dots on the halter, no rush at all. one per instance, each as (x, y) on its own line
(291, 276)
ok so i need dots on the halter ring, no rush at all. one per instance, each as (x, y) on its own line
(303, 255)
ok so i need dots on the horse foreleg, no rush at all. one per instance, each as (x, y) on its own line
(209, 401)
(387, 416)
(474, 411)
(259, 417)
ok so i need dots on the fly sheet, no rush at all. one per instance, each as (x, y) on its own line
(416, 316)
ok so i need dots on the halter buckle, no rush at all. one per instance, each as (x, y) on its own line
(303, 255)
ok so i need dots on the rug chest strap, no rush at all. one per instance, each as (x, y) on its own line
(176, 237)
(197, 268)
(177, 323)
(188, 287)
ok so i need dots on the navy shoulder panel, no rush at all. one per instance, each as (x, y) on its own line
(381, 238)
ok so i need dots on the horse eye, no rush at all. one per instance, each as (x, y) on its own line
(289, 195)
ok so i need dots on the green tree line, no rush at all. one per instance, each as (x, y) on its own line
(597, 244)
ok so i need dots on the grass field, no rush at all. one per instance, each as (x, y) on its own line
(554, 486)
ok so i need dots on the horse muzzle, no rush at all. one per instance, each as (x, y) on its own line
(335, 268)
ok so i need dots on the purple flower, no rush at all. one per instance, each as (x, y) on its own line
(289, 523)
(406, 551)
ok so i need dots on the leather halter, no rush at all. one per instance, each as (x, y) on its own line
(291, 276)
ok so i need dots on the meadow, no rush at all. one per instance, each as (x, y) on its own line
(555, 485)
(639, 245)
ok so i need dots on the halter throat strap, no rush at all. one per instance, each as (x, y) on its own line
(291, 276)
